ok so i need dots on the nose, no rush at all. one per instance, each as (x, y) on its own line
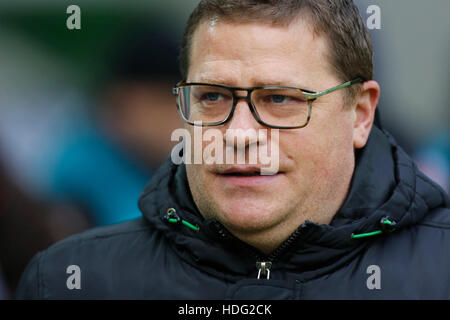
(243, 125)
(243, 117)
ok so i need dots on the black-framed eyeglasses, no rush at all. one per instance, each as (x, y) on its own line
(276, 107)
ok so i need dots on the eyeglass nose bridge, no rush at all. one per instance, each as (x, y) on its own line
(247, 98)
(238, 97)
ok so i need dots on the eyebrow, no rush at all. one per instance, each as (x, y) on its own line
(218, 81)
(280, 83)
(257, 83)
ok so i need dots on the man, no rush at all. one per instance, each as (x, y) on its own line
(346, 214)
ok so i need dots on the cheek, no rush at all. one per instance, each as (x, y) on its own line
(196, 181)
(319, 153)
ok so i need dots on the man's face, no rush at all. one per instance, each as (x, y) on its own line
(315, 163)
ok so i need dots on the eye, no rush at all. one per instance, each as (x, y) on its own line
(212, 97)
(278, 98)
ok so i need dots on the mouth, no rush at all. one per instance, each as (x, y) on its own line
(245, 171)
(246, 176)
(243, 174)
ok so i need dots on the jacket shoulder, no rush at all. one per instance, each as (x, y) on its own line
(47, 274)
(89, 240)
(413, 261)
(438, 218)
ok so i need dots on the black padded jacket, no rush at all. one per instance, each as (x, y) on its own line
(389, 240)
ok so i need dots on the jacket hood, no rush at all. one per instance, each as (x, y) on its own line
(386, 186)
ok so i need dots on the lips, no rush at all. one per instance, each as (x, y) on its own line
(241, 171)
(245, 177)
(243, 174)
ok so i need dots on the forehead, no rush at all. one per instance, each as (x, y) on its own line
(247, 54)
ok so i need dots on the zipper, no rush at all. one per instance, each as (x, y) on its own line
(264, 267)
(286, 244)
(263, 263)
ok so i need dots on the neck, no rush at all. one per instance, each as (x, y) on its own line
(269, 240)
(318, 210)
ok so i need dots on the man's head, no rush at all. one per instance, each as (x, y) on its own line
(350, 51)
(313, 45)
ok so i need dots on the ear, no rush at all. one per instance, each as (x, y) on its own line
(366, 104)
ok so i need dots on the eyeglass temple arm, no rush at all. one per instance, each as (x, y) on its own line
(312, 96)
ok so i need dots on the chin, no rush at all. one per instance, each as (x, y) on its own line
(247, 215)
